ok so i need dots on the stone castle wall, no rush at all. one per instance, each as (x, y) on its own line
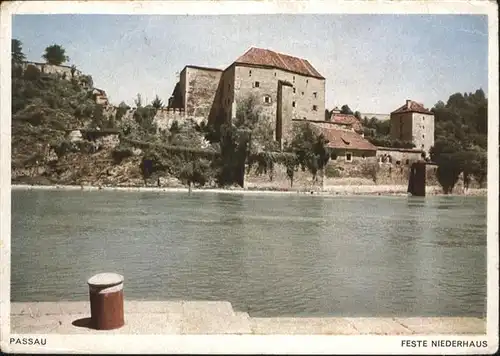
(64, 71)
(200, 87)
(423, 131)
(165, 117)
(414, 127)
(308, 94)
(401, 126)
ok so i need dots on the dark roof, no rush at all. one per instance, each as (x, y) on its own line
(344, 139)
(412, 106)
(268, 58)
(202, 68)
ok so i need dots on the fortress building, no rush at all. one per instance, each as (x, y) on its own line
(414, 123)
(284, 86)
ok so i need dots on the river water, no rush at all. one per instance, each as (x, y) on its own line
(269, 255)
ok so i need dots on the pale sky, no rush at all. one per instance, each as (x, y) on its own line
(373, 63)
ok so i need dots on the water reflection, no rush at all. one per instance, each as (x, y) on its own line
(267, 254)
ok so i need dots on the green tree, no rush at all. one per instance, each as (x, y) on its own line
(328, 115)
(196, 172)
(121, 110)
(309, 148)
(461, 138)
(32, 73)
(157, 103)
(17, 52)
(55, 54)
(346, 110)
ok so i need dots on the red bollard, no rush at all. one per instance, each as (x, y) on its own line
(106, 301)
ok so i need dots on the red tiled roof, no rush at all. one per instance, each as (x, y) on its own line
(266, 57)
(346, 119)
(412, 106)
(343, 139)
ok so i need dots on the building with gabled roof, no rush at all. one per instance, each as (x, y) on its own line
(412, 122)
(285, 88)
(344, 143)
(412, 107)
(267, 58)
(346, 119)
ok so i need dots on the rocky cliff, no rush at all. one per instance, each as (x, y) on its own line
(60, 135)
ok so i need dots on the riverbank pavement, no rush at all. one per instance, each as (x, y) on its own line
(207, 317)
(328, 190)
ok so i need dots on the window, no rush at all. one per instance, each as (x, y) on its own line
(363, 156)
(302, 93)
(294, 78)
(315, 107)
(267, 99)
(229, 87)
(307, 81)
(333, 156)
(407, 162)
(294, 90)
(250, 73)
(398, 163)
(256, 84)
(422, 145)
(274, 73)
(293, 103)
(348, 157)
(315, 95)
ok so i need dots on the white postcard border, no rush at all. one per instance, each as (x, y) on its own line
(266, 344)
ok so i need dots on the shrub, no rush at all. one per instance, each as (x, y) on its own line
(32, 73)
(332, 172)
(370, 169)
(121, 110)
(119, 153)
(196, 172)
(17, 71)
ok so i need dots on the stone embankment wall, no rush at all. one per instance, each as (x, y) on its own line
(369, 173)
(373, 172)
(404, 156)
(277, 179)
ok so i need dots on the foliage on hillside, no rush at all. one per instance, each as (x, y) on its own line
(378, 133)
(44, 107)
(461, 132)
(248, 142)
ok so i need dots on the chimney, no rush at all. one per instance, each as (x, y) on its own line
(408, 101)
